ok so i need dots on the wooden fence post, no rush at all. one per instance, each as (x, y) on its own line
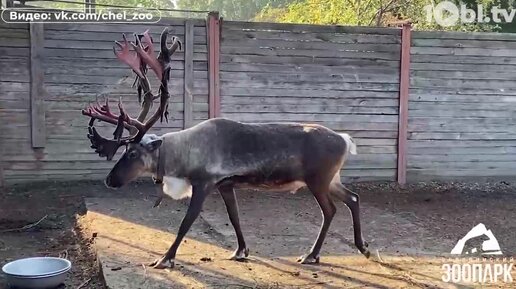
(37, 101)
(213, 34)
(403, 103)
(188, 74)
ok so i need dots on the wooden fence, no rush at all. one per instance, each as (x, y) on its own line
(458, 93)
(75, 65)
(346, 78)
(462, 106)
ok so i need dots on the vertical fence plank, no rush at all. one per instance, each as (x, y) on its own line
(188, 74)
(37, 105)
(403, 105)
(213, 27)
(2, 178)
(89, 6)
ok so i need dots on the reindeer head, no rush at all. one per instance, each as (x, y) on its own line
(139, 158)
(139, 147)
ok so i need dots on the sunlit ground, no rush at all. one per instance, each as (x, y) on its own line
(130, 234)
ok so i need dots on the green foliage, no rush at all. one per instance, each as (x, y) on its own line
(132, 3)
(232, 9)
(139, 3)
(331, 12)
(371, 13)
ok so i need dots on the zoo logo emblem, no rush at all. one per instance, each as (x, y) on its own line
(478, 241)
(483, 263)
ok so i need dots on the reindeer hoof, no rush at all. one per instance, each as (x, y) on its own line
(308, 259)
(162, 263)
(363, 249)
(240, 254)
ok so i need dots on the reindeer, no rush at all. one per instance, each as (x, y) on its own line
(220, 154)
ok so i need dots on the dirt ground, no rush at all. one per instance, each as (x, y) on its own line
(407, 225)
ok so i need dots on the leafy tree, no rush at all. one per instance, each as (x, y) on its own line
(232, 9)
(370, 12)
(131, 3)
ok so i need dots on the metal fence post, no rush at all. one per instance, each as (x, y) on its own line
(213, 29)
(403, 103)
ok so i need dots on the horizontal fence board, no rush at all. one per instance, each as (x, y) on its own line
(507, 74)
(463, 51)
(328, 85)
(108, 36)
(9, 34)
(349, 76)
(310, 69)
(284, 108)
(459, 143)
(112, 63)
(13, 43)
(459, 127)
(98, 45)
(368, 175)
(461, 135)
(239, 25)
(257, 51)
(481, 99)
(175, 25)
(289, 60)
(344, 100)
(466, 151)
(465, 93)
(14, 52)
(309, 45)
(432, 111)
(500, 85)
(463, 35)
(461, 67)
(474, 107)
(481, 175)
(365, 96)
(6, 25)
(461, 59)
(326, 37)
(315, 116)
(89, 53)
(463, 43)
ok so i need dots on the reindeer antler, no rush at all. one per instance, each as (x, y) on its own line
(142, 56)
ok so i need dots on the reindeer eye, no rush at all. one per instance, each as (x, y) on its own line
(132, 154)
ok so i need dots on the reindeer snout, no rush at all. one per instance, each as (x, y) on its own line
(112, 182)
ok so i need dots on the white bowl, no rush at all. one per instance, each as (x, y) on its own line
(37, 272)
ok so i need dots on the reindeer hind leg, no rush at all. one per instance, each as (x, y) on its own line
(352, 201)
(320, 189)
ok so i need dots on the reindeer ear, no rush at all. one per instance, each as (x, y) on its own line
(153, 145)
(151, 142)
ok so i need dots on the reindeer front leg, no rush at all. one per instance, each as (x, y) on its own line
(228, 195)
(199, 193)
